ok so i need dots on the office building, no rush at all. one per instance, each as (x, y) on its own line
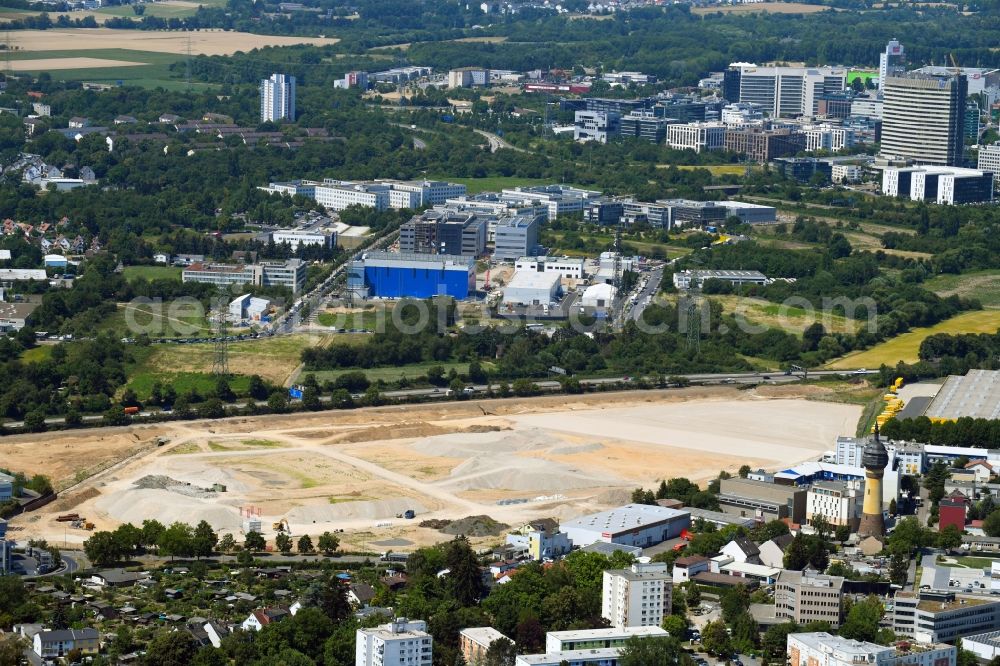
(801, 169)
(299, 237)
(845, 173)
(827, 137)
(475, 642)
(591, 639)
(750, 213)
(6, 487)
(625, 78)
(469, 77)
(656, 215)
(516, 236)
(633, 525)
(684, 109)
(569, 268)
(401, 642)
(596, 126)
(762, 145)
(836, 502)
(923, 118)
(870, 105)
(399, 275)
(763, 501)
(620, 106)
(980, 81)
(556, 200)
(444, 231)
(739, 114)
(290, 274)
(353, 80)
(836, 105)
(942, 185)
(378, 194)
(248, 308)
(689, 279)
(783, 91)
(823, 649)
(606, 212)
(989, 160)
(806, 596)
(972, 118)
(644, 125)
(697, 136)
(935, 617)
(639, 596)
(698, 214)
(532, 288)
(277, 98)
(891, 62)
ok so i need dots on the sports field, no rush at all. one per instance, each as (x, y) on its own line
(905, 347)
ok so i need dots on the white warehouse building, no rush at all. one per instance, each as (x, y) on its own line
(297, 237)
(632, 525)
(570, 268)
(532, 288)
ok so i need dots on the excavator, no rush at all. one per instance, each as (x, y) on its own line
(281, 526)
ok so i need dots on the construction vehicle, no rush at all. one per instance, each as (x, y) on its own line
(131, 411)
(88, 526)
(68, 517)
(281, 526)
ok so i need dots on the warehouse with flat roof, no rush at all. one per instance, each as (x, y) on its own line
(633, 525)
(976, 394)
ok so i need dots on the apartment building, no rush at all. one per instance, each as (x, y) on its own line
(277, 98)
(836, 502)
(592, 639)
(822, 649)
(401, 642)
(60, 642)
(697, 136)
(475, 642)
(637, 597)
(804, 597)
(932, 617)
(596, 657)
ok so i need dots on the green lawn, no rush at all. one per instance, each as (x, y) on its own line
(155, 72)
(203, 382)
(974, 562)
(984, 285)
(152, 272)
(392, 373)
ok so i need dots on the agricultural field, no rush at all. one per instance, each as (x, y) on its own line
(984, 285)
(905, 347)
(143, 68)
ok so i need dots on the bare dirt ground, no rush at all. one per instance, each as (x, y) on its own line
(513, 460)
(757, 7)
(68, 63)
(203, 42)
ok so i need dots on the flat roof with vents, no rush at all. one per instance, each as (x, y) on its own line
(977, 394)
(626, 519)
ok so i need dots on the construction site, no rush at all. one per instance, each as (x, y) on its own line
(378, 473)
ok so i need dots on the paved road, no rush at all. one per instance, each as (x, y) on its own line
(645, 296)
(498, 143)
(545, 385)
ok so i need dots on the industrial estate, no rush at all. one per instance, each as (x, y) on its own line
(499, 334)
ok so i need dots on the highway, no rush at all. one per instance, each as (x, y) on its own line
(497, 143)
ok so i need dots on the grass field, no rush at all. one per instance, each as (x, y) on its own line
(169, 319)
(152, 272)
(392, 374)
(905, 347)
(715, 169)
(972, 562)
(183, 382)
(274, 359)
(756, 8)
(984, 285)
(36, 354)
(788, 318)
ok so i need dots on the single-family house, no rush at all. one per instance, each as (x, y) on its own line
(161, 258)
(360, 594)
(125, 120)
(78, 122)
(262, 617)
(168, 118)
(983, 470)
(686, 568)
(60, 642)
(116, 578)
(772, 553)
(742, 550)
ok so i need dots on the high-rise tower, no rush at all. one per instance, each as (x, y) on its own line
(891, 62)
(874, 459)
(277, 98)
(923, 118)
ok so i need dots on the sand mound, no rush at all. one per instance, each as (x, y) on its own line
(138, 504)
(374, 510)
(494, 443)
(410, 429)
(579, 448)
(614, 497)
(522, 474)
(475, 526)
